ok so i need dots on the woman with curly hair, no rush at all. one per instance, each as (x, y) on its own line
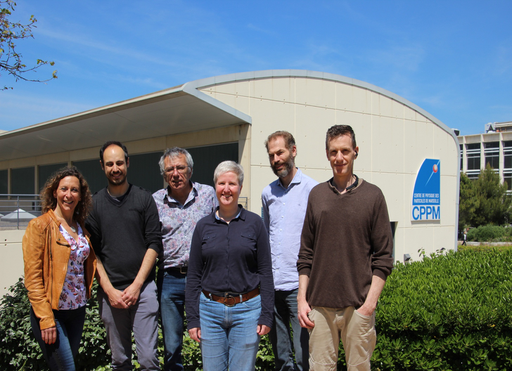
(59, 267)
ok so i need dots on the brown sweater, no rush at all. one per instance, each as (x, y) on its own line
(346, 239)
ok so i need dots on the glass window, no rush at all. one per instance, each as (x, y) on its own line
(492, 145)
(206, 160)
(22, 180)
(3, 181)
(91, 170)
(144, 171)
(508, 180)
(473, 176)
(461, 155)
(493, 160)
(473, 156)
(474, 161)
(45, 171)
(492, 154)
(507, 154)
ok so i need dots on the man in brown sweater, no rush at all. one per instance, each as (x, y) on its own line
(344, 260)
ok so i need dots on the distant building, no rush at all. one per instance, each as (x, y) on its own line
(494, 147)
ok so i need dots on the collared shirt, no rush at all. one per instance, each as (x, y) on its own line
(232, 257)
(179, 221)
(283, 214)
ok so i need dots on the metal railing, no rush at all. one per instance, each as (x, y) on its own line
(17, 210)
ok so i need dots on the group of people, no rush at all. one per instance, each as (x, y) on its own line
(308, 272)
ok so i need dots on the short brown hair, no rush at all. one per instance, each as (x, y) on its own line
(289, 140)
(49, 202)
(337, 131)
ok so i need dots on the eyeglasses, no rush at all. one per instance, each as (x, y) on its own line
(180, 169)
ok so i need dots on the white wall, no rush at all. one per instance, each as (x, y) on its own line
(393, 139)
(11, 259)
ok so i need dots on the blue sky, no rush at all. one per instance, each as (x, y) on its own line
(451, 58)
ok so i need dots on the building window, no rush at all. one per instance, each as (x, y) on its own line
(492, 154)
(461, 157)
(507, 154)
(22, 180)
(45, 172)
(3, 181)
(507, 178)
(473, 156)
(473, 175)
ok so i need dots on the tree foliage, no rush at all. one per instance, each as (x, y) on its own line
(493, 202)
(11, 60)
(483, 201)
(467, 201)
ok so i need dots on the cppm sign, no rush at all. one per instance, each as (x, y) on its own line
(426, 199)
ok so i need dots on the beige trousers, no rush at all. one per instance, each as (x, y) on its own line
(357, 333)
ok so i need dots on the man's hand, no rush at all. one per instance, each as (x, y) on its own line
(195, 334)
(370, 304)
(49, 335)
(365, 311)
(303, 307)
(262, 330)
(303, 311)
(131, 294)
(115, 298)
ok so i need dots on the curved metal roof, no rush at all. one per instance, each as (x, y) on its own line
(180, 109)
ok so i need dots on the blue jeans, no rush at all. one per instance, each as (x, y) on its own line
(285, 312)
(70, 323)
(228, 334)
(171, 294)
(142, 318)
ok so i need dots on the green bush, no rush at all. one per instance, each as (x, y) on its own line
(18, 347)
(485, 248)
(20, 351)
(447, 312)
(489, 233)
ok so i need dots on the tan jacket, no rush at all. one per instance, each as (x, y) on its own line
(46, 255)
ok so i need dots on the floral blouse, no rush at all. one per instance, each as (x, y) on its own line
(73, 295)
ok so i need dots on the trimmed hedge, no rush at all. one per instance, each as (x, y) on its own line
(447, 312)
(490, 233)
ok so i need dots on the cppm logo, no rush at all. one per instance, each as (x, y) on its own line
(426, 200)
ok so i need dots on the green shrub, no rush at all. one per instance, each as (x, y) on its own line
(485, 248)
(20, 351)
(447, 312)
(487, 233)
(18, 347)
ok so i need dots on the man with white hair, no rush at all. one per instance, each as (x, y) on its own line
(180, 206)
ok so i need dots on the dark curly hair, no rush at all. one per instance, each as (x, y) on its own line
(49, 202)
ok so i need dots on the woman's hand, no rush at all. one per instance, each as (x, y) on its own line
(49, 335)
(195, 334)
(262, 330)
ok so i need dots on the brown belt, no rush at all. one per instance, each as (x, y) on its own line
(230, 299)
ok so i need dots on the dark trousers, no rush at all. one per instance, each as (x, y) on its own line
(61, 354)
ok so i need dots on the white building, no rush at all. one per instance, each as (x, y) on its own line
(230, 116)
(494, 147)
